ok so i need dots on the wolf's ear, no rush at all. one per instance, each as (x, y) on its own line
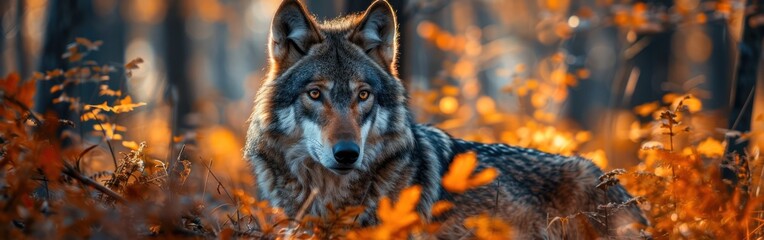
(377, 34)
(293, 32)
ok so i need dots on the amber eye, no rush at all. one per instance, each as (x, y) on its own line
(363, 95)
(314, 94)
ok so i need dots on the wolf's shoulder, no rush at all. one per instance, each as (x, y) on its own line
(492, 152)
(529, 171)
(520, 164)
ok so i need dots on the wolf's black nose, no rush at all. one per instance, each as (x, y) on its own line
(345, 152)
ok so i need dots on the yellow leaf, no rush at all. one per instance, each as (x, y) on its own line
(455, 180)
(484, 177)
(125, 105)
(599, 157)
(395, 218)
(583, 73)
(133, 64)
(105, 91)
(441, 207)
(646, 109)
(693, 104)
(10, 84)
(103, 106)
(90, 45)
(110, 130)
(711, 148)
(458, 179)
(487, 227)
(449, 90)
(670, 97)
(132, 145)
(583, 136)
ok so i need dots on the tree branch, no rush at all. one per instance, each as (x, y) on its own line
(69, 171)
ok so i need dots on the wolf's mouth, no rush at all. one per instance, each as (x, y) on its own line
(341, 170)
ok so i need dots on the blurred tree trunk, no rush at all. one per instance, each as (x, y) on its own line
(68, 20)
(743, 92)
(180, 89)
(747, 75)
(21, 49)
(63, 18)
(4, 5)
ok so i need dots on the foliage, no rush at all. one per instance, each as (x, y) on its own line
(687, 194)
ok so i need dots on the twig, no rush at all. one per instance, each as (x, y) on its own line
(171, 173)
(206, 177)
(745, 105)
(219, 182)
(71, 172)
(24, 107)
(79, 158)
(308, 201)
(45, 181)
(106, 138)
(363, 201)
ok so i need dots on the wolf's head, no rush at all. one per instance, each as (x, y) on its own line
(332, 96)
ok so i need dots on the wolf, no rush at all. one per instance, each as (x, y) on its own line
(332, 115)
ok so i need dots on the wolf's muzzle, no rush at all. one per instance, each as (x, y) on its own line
(346, 153)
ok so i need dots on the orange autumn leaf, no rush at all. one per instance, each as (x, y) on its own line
(646, 109)
(711, 148)
(132, 65)
(486, 227)
(599, 157)
(458, 179)
(110, 130)
(441, 207)
(51, 162)
(583, 73)
(24, 92)
(693, 104)
(404, 212)
(125, 105)
(103, 106)
(10, 84)
(105, 91)
(90, 45)
(484, 177)
(56, 88)
(395, 220)
(132, 145)
(53, 74)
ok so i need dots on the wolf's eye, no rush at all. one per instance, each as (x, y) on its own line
(314, 94)
(363, 95)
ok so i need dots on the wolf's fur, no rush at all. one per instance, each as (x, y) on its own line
(291, 135)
